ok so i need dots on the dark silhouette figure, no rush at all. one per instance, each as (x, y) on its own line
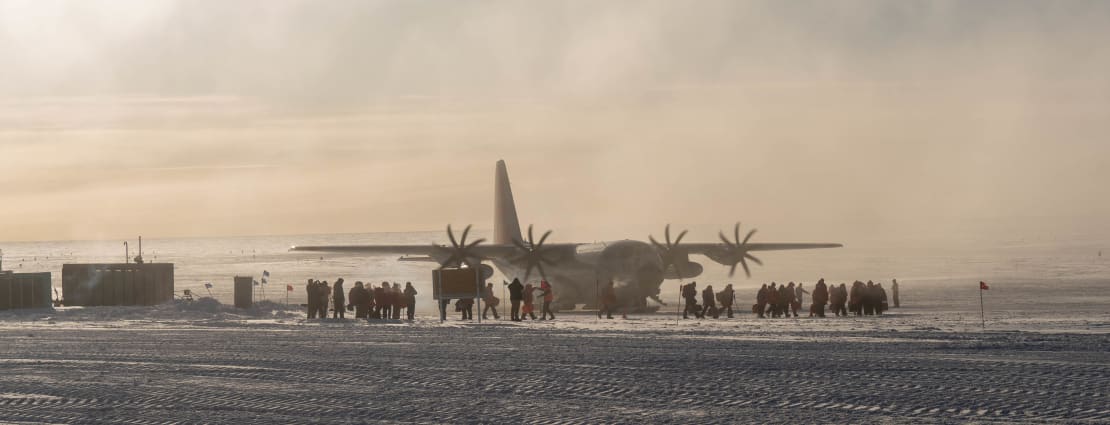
(360, 298)
(820, 297)
(516, 295)
(708, 298)
(787, 300)
(773, 300)
(491, 302)
(310, 293)
(608, 301)
(894, 291)
(869, 299)
(690, 296)
(323, 293)
(382, 301)
(761, 301)
(855, 300)
(338, 299)
(410, 301)
(466, 307)
(727, 297)
(883, 303)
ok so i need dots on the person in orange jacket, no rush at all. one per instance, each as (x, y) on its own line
(548, 297)
(529, 308)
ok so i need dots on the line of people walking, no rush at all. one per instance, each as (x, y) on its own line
(861, 300)
(709, 301)
(365, 301)
(522, 298)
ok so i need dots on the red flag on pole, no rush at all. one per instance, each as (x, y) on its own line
(289, 288)
(983, 286)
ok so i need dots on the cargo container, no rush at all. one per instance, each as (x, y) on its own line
(117, 284)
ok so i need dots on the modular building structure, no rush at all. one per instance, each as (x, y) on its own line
(25, 290)
(117, 284)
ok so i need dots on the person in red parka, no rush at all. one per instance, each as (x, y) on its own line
(548, 296)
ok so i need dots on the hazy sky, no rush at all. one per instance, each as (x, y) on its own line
(833, 120)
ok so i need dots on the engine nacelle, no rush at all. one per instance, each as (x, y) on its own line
(689, 270)
(486, 271)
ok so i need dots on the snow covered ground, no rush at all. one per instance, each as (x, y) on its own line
(206, 362)
(1042, 358)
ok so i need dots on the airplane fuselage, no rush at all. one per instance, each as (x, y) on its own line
(635, 268)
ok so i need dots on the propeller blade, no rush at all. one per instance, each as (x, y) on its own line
(462, 240)
(475, 243)
(724, 238)
(655, 242)
(543, 238)
(736, 232)
(754, 260)
(667, 234)
(531, 241)
(746, 238)
(451, 235)
(680, 236)
(747, 271)
(732, 270)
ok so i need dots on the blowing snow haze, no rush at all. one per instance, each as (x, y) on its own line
(811, 120)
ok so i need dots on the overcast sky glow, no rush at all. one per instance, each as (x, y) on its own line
(812, 120)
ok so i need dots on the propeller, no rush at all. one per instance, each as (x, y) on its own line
(670, 253)
(461, 251)
(533, 254)
(737, 252)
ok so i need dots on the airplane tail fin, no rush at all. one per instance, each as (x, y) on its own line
(506, 227)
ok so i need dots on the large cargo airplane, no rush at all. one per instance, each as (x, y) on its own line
(576, 269)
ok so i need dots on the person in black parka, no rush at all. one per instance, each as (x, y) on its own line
(516, 295)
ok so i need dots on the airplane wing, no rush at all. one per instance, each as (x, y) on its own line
(372, 249)
(704, 248)
(487, 251)
(785, 246)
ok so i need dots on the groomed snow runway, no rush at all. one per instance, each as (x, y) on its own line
(174, 365)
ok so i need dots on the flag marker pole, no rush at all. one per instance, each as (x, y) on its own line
(982, 312)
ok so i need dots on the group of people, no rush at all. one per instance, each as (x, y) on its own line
(386, 301)
(709, 301)
(366, 301)
(522, 299)
(861, 300)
